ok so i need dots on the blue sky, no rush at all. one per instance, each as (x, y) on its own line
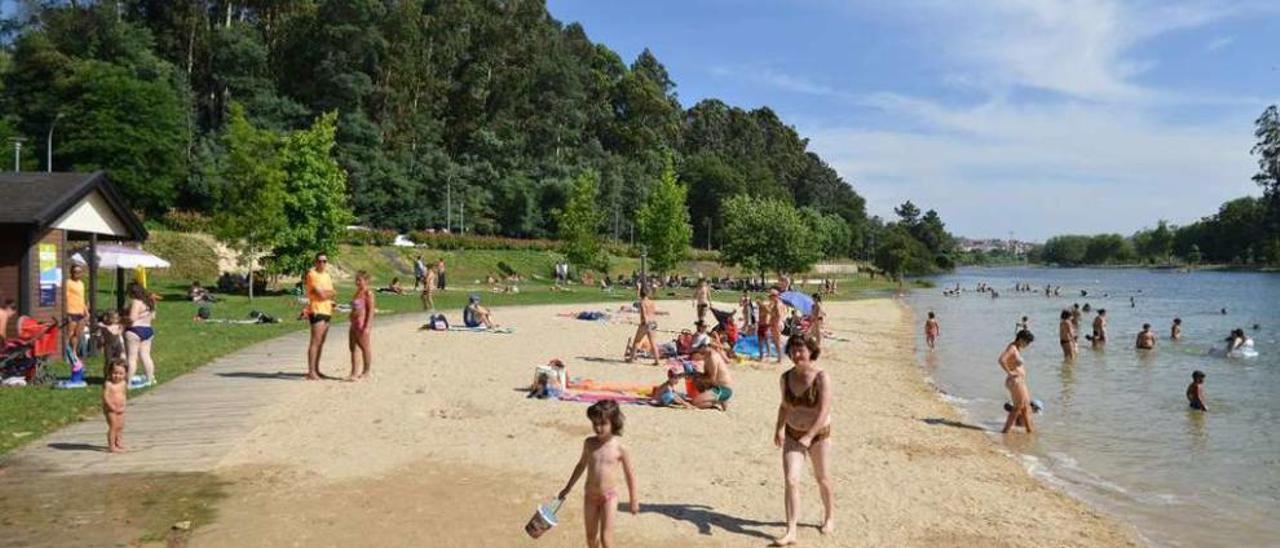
(1036, 117)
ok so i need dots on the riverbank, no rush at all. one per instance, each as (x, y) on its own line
(441, 448)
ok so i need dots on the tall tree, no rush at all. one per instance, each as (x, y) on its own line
(663, 223)
(315, 208)
(251, 193)
(767, 234)
(580, 224)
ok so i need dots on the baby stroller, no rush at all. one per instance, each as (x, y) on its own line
(27, 356)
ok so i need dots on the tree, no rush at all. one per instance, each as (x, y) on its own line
(908, 215)
(766, 234)
(1267, 150)
(830, 232)
(251, 193)
(662, 225)
(580, 224)
(899, 254)
(315, 206)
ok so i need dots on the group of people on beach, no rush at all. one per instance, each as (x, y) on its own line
(802, 428)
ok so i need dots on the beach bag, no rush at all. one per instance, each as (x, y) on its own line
(438, 322)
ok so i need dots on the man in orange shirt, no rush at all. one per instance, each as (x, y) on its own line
(77, 311)
(319, 290)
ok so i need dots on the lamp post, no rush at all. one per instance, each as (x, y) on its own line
(49, 144)
(17, 153)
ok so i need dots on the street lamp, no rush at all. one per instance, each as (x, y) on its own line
(17, 153)
(49, 144)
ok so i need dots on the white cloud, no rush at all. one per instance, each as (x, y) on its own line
(1218, 43)
(1040, 170)
(779, 80)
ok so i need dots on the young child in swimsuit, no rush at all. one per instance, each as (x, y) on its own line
(601, 455)
(1195, 392)
(113, 401)
(931, 329)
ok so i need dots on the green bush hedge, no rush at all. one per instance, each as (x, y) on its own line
(461, 242)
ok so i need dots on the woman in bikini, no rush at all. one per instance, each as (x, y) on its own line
(358, 335)
(139, 335)
(645, 331)
(804, 429)
(1016, 382)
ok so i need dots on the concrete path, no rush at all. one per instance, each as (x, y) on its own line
(190, 423)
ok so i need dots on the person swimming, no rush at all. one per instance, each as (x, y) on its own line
(1146, 338)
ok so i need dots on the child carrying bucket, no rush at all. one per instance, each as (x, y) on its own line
(601, 455)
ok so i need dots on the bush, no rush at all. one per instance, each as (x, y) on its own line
(185, 221)
(454, 242)
(379, 237)
(190, 257)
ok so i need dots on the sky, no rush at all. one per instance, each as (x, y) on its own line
(1033, 118)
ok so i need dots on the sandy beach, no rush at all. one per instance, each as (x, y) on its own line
(440, 448)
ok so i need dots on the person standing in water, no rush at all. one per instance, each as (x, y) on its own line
(1067, 336)
(1175, 332)
(1099, 336)
(1023, 325)
(931, 331)
(648, 325)
(1146, 338)
(1016, 381)
(1195, 392)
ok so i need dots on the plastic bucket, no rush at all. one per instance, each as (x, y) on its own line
(543, 519)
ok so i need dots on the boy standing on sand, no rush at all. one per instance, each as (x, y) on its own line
(113, 400)
(1195, 391)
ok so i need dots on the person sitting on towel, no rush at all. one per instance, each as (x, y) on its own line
(475, 315)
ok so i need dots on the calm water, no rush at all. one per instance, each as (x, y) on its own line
(1116, 430)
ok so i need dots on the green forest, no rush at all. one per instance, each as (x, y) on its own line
(1243, 232)
(473, 116)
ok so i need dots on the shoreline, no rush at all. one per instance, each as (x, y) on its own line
(1047, 481)
(434, 427)
(440, 447)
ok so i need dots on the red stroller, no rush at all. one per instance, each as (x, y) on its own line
(27, 356)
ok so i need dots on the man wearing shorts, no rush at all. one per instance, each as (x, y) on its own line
(702, 298)
(715, 373)
(77, 311)
(319, 290)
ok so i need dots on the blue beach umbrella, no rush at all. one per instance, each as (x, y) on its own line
(798, 301)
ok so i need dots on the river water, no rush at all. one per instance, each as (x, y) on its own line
(1116, 430)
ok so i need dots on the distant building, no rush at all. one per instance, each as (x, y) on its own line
(995, 244)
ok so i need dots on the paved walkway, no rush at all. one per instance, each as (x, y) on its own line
(190, 423)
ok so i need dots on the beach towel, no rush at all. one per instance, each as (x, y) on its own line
(592, 397)
(482, 329)
(622, 388)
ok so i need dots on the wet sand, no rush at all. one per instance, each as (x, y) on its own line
(440, 448)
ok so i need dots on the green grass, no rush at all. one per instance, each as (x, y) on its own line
(182, 344)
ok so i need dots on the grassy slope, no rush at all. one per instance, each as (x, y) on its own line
(183, 345)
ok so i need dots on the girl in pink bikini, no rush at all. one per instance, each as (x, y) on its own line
(358, 338)
(601, 455)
